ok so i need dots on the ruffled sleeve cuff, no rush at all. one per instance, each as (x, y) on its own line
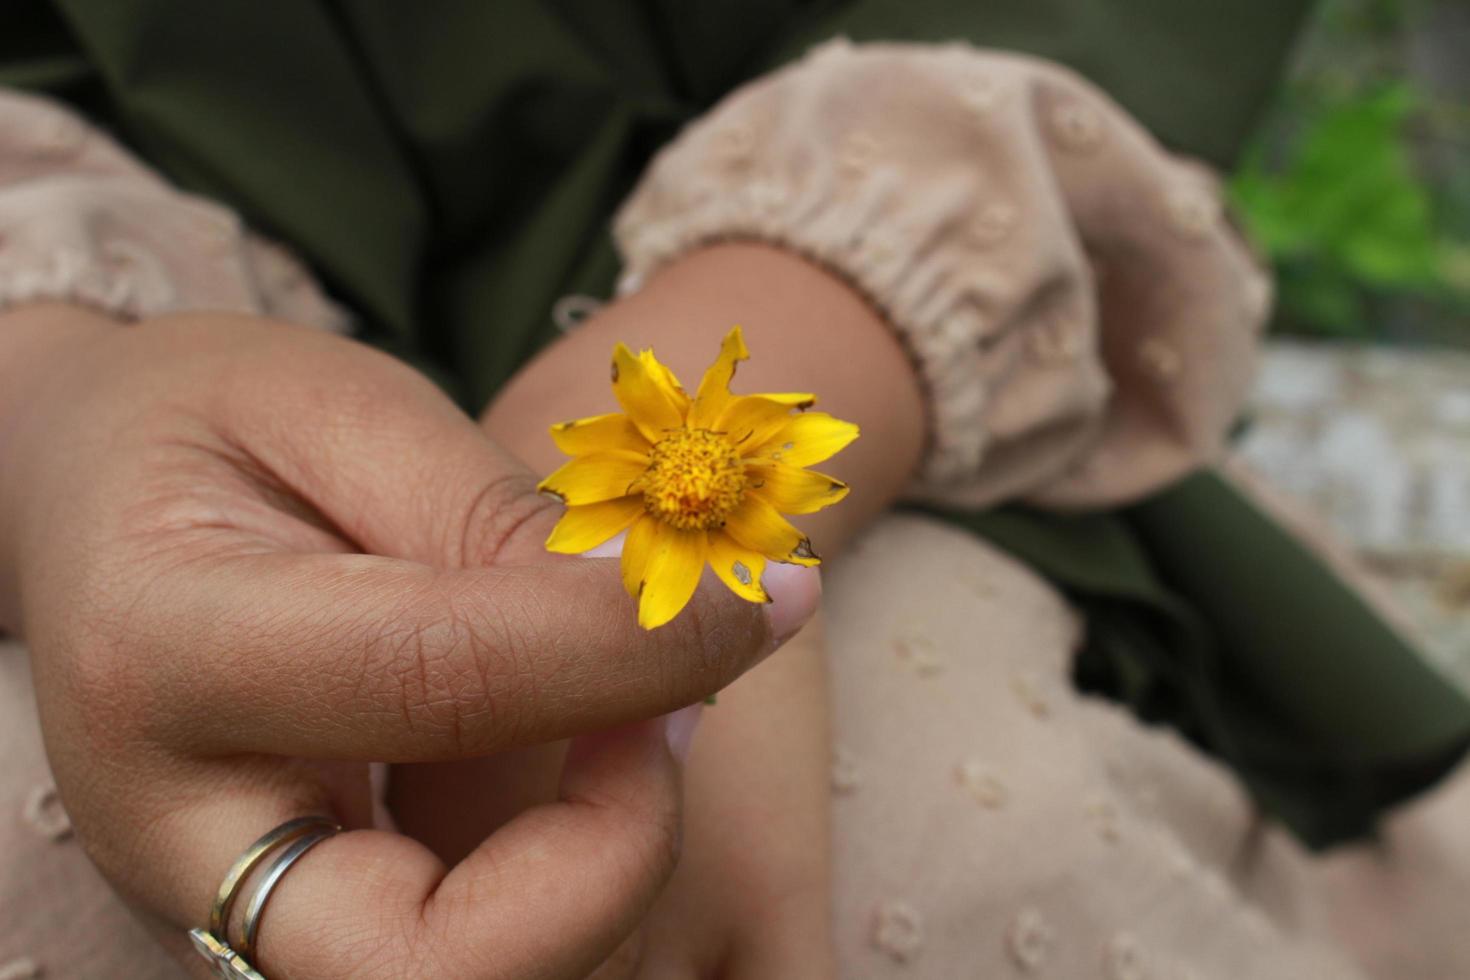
(83, 221)
(1081, 313)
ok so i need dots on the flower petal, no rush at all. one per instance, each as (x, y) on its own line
(675, 561)
(648, 392)
(714, 388)
(637, 547)
(752, 419)
(756, 525)
(599, 433)
(806, 439)
(738, 567)
(792, 490)
(665, 374)
(595, 477)
(589, 525)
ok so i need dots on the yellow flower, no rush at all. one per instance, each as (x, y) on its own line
(693, 480)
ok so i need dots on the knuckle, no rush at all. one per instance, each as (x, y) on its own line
(504, 515)
(724, 637)
(458, 674)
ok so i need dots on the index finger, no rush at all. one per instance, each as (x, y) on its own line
(370, 658)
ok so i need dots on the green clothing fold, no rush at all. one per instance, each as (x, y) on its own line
(449, 168)
(1204, 614)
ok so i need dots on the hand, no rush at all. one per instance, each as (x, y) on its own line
(750, 898)
(239, 550)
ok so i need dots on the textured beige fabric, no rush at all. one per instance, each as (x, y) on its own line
(82, 220)
(992, 822)
(1084, 317)
(58, 918)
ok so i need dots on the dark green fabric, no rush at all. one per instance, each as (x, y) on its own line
(450, 165)
(449, 168)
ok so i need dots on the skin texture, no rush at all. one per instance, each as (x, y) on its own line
(247, 558)
(750, 896)
(239, 550)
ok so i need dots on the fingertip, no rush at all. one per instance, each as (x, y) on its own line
(679, 730)
(796, 592)
(611, 548)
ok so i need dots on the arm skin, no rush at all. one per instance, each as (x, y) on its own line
(758, 777)
(34, 343)
(806, 330)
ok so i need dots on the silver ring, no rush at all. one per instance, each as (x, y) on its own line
(224, 899)
(226, 963)
(272, 876)
(213, 943)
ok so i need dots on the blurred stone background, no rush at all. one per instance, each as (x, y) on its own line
(1358, 190)
(1377, 440)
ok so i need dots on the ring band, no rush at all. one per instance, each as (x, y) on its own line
(224, 899)
(272, 877)
(225, 961)
(299, 836)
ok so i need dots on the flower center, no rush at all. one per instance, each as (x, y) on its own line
(695, 478)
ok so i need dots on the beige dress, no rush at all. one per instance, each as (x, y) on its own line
(1084, 320)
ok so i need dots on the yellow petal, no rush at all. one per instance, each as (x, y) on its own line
(738, 567)
(636, 549)
(806, 439)
(792, 490)
(647, 392)
(756, 525)
(585, 527)
(751, 420)
(675, 561)
(595, 477)
(665, 374)
(714, 388)
(599, 433)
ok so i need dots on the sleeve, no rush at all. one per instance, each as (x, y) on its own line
(1082, 314)
(83, 221)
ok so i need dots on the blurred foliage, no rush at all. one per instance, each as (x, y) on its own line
(1344, 217)
(1355, 186)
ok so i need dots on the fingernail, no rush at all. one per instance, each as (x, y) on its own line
(611, 548)
(795, 591)
(679, 730)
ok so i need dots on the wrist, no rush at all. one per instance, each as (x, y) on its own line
(38, 343)
(807, 330)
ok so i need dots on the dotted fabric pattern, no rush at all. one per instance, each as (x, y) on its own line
(992, 822)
